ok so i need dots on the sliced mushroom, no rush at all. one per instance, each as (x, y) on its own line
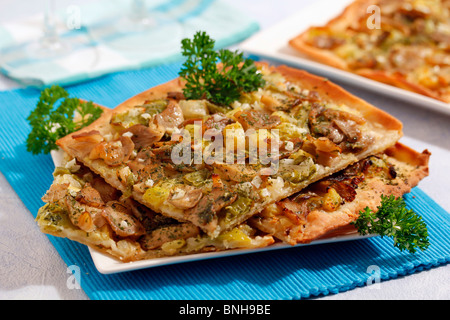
(121, 220)
(143, 136)
(85, 217)
(257, 119)
(205, 212)
(86, 141)
(185, 196)
(171, 117)
(114, 153)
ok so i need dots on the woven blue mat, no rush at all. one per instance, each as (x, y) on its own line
(293, 273)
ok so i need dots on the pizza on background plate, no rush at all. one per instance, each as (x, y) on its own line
(404, 43)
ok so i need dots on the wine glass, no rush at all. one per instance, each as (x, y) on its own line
(138, 19)
(139, 29)
(26, 55)
(50, 45)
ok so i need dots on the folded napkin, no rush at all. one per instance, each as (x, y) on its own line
(292, 273)
(105, 36)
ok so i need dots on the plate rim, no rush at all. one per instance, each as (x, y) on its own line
(109, 265)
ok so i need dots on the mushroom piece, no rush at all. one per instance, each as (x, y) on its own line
(185, 196)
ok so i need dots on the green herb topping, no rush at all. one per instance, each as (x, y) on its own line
(50, 123)
(394, 220)
(219, 84)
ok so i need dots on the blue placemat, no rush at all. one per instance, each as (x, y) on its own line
(293, 273)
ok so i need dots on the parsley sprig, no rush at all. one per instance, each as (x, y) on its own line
(50, 121)
(394, 220)
(206, 80)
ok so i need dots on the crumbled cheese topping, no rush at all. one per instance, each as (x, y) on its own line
(72, 165)
(287, 161)
(149, 183)
(73, 191)
(257, 181)
(178, 194)
(289, 145)
(117, 144)
(133, 112)
(218, 117)
(265, 193)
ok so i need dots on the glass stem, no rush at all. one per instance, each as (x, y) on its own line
(50, 34)
(138, 10)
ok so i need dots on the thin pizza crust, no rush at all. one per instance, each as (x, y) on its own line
(404, 168)
(432, 81)
(381, 130)
(135, 234)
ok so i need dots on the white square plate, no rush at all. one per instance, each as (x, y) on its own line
(272, 44)
(107, 265)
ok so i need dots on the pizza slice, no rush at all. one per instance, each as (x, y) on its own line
(331, 204)
(82, 207)
(217, 165)
(404, 43)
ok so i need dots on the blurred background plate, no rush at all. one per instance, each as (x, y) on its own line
(272, 43)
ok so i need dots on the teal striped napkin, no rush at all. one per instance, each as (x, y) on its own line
(293, 273)
(103, 38)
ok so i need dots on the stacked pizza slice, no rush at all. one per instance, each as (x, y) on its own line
(164, 175)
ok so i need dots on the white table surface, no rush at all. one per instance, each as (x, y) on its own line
(37, 271)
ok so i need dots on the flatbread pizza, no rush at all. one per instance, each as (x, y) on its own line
(334, 202)
(81, 206)
(172, 155)
(404, 43)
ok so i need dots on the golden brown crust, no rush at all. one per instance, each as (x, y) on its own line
(300, 44)
(411, 167)
(386, 128)
(323, 86)
(338, 95)
(398, 80)
(103, 122)
(352, 13)
(341, 21)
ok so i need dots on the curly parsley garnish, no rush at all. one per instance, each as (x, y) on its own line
(50, 122)
(206, 80)
(394, 220)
